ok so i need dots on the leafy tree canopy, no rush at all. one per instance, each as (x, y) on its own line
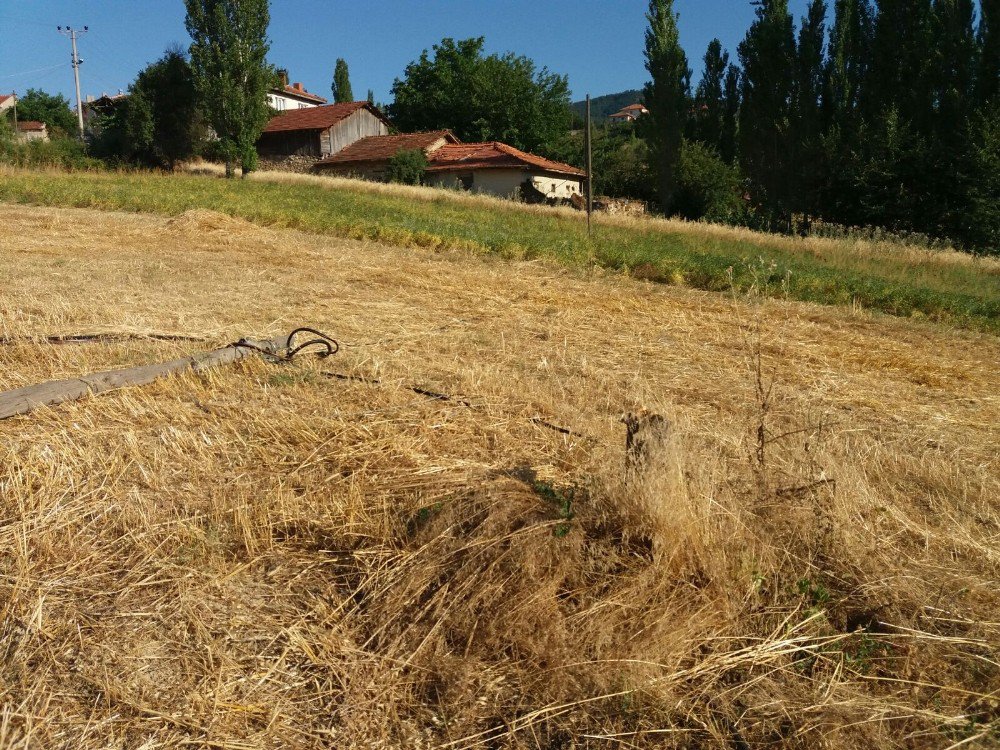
(482, 98)
(162, 118)
(231, 73)
(342, 82)
(52, 109)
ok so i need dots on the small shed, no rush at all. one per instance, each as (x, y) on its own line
(320, 131)
(32, 130)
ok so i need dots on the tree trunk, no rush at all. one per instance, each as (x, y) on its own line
(230, 173)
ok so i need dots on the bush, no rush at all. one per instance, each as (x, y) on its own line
(408, 167)
(66, 153)
(707, 187)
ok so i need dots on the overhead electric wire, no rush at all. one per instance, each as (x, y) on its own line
(33, 72)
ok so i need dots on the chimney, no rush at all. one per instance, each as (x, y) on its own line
(283, 77)
(298, 86)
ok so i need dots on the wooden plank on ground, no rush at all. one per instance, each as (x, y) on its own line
(29, 398)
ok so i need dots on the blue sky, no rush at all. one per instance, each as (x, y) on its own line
(597, 43)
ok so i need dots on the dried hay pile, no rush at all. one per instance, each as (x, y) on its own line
(270, 557)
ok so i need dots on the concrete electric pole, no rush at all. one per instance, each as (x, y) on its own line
(73, 34)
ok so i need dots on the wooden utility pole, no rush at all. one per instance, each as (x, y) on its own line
(14, 94)
(73, 34)
(590, 169)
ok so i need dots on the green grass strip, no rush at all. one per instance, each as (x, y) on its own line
(962, 294)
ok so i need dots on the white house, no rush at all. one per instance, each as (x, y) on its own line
(285, 97)
(7, 101)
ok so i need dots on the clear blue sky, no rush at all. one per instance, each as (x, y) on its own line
(597, 43)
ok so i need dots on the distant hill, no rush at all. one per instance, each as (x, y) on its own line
(602, 106)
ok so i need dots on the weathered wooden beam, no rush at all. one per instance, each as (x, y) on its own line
(24, 400)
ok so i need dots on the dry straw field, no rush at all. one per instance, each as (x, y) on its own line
(298, 556)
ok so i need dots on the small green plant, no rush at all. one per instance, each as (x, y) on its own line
(563, 502)
(408, 167)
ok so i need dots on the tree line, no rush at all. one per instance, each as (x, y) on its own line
(882, 113)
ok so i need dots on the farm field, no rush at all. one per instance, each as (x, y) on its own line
(944, 286)
(320, 554)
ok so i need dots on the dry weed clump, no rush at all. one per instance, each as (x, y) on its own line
(297, 556)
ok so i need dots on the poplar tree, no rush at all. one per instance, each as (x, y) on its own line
(766, 137)
(988, 38)
(709, 97)
(342, 82)
(808, 92)
(847, 62)
(666, 97)
(730, 115)
(231, 74)
(900, 76)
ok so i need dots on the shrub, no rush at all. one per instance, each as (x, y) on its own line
(708, 188)
(408, 167)
(66, 153)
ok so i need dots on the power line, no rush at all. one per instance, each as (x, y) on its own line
(33, 72)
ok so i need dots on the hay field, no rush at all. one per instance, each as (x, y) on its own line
(273, 557)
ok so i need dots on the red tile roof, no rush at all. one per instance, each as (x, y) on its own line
(30, 125)
(300, 93)
(5, 97)
(318, 118)
(381, 148)
(494, 155)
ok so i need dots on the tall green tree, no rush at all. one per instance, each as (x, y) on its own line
(231, 74)
(766, 135)
(847, 62)
(666, 96)
(342, 82)
(810, 76)
(900, 76)
(163, 122)
(709, 98)
(482, 98)
(52, 109)
(731, 99)
(988, 38)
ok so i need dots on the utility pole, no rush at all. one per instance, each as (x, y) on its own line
(590, 169)
(14, 94)
(73, 34)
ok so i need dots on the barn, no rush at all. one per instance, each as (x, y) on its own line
(320, 131)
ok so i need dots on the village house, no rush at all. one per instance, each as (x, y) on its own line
(32, 130)
(320, 131)
(493, 168)
(498, 169)
(631, 113)
(7, 101)
(286, 97)
(369, 158)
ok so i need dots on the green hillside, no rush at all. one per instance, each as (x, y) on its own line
(602, 106)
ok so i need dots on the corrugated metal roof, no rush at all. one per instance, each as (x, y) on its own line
(318, 118)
